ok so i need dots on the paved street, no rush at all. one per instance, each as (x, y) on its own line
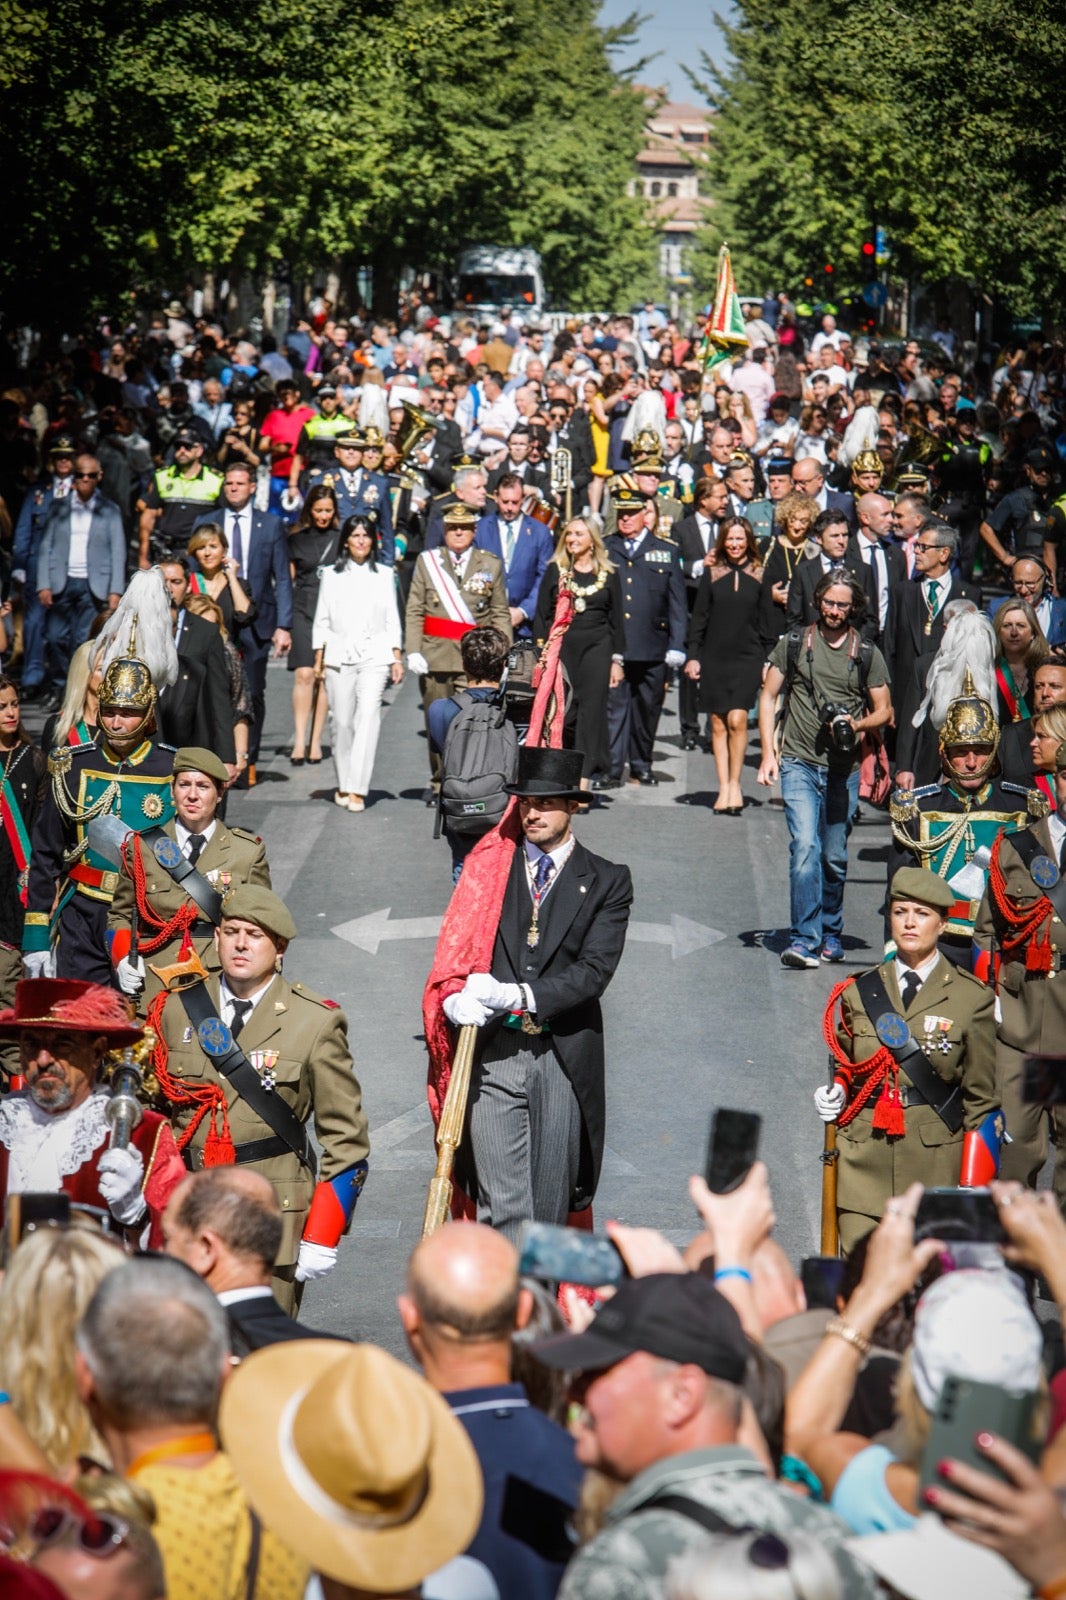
(700, 1013)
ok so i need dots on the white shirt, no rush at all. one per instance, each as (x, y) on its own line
(559, 857)
(226, 999)
(922, 972)
(706, 532)
(357, 622)
(233, 1297)
(184, 835)
(874, 556)
(943, 590)
(81, 521)
(61, 487)
(1057, 830)
(636, 541)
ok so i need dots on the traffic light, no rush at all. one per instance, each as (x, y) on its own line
(808, 283)
(868, 247)
(869, 259)
(829, 268)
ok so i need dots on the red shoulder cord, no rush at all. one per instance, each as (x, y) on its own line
(180, 922)
(880, 1069)
(1024, 921)
(206, 1097)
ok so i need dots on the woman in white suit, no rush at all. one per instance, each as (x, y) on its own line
(356, 637)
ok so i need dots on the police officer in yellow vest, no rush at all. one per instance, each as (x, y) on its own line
(314, 448)
(176, 497)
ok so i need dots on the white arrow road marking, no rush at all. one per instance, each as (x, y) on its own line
(368, 933)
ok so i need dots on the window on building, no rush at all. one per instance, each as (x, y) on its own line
(671, 189)
(656, 189)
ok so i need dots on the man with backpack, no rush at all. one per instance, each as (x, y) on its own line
(477, 745)
(835, 688)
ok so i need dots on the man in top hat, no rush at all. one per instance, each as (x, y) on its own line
(176, 498)
(950, 826)
(1019, 939)
(537, 1097)
(357, 489)
(246, 1060)
(454, 588)
(914, 1066)
(173, 880)
(314, 448)
(124, 775)
(55, 484)
(54, 1133)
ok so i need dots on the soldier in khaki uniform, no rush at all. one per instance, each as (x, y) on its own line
(149, 898)
(453, 589)
(296, 1044)
(1021, 928)
(889, 1133)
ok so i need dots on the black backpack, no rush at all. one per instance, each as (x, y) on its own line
(480, 756)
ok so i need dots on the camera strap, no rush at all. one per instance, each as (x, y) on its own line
(945, 1098)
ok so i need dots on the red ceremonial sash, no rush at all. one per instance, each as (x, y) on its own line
(15, 828)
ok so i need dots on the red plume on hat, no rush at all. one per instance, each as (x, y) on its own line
(68, 1005)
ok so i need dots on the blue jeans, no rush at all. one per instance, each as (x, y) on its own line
(67, 623)
(819, 806)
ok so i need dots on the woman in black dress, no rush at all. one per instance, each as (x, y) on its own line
(312, 547)
(216, 575)
(725, 654)
(23, 771)
(594, 637)
(793, 520)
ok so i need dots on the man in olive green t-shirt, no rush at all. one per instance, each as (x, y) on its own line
(838, 691)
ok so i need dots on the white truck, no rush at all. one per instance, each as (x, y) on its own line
(490, 276)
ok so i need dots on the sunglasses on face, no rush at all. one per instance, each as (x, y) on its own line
(100, 1536)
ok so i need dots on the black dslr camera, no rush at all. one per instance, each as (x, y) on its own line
(837, 723)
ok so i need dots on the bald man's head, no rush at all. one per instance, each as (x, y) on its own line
(227, 1209)
(463, 1283)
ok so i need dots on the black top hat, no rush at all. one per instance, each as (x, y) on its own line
(544, 772)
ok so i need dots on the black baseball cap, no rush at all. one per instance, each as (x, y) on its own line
(678, 1316)
(1040, 458)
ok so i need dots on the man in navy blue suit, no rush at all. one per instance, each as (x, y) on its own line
(257, 542)
(523, 545)
(358, 489)
(808, 477)
(54, 485)
(1029, 580)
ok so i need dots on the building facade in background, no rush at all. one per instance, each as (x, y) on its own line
(670, 176)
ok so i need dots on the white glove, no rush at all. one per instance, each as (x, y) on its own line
(40, 964)
(497, 996)
(417, 663)
(462, 1009)
(130, 975)
(829, 1103)
(19, 575)
(314, 1261)
(291, 499)
(675, 658)
(121, 1174)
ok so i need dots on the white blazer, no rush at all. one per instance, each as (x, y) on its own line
(357, 620)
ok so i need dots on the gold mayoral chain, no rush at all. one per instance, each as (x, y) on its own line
(583, 594)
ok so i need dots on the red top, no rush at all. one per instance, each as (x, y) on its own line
(283, 427)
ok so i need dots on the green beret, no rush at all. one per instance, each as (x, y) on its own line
(918, 883)
(195, 759)
(251, 903)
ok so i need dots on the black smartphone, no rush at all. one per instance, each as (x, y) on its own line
(822, 1278)
(1044, 1080)
(966, 1215)
(568, 1255)
(24, 1213)
(732, 1149)
(966, 1409)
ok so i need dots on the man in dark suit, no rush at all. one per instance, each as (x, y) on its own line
(886, 562)
(537, 1097)
(518, 464)
(696, 536)
(914, 629)
(836, 549)
(570, 430)
(808, 477)
(437, 450)
(257, 542)
(523, 544)
(468, 489)
(196, 710)
(656, 618)
(226, 1224)
(358, 489)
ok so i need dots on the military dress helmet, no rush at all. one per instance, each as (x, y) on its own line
(646, 452)
(971, 720)
(868, 461)
(374, 438)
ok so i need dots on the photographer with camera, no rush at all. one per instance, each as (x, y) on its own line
(835, 687)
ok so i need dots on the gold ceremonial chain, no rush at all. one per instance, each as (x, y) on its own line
(583, 593)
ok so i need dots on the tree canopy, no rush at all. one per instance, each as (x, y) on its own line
(944, 122)
(151, 139)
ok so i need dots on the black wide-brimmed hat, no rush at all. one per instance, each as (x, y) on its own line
(544, 772)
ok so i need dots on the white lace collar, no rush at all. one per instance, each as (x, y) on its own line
(42, 1147)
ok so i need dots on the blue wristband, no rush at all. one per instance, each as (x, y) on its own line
(732, 1272)
(5, 1398)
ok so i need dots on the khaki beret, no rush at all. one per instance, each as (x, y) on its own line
(918, 883)
(251, 903)
(193, 758)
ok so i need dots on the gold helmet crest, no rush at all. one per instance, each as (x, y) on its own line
(868, 461)
(971, 720)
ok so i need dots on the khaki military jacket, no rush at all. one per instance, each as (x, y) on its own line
(230, 857)
(1032, 1004)
(301, 1040)
(485, 592)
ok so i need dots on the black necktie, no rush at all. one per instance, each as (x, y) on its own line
(241, 1009)
(196, 844)
(1062, 856)
(909, 988)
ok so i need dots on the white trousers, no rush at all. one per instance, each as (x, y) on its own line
(355, 696)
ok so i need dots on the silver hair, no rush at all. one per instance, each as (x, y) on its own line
(969, 645)
(725, 1568)
(146, 602)
(468, 472)
(941, 534)
(155, 1339)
